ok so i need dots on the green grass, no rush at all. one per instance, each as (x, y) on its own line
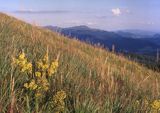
(95, 80)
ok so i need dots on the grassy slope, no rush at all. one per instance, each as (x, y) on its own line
(96, 80)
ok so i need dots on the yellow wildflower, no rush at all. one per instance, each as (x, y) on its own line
(38, 74)
(26, 85)
(29, 67)
(53, 68)
(42, 66)
(43, 83)
(156, 105)
(32, 85)
(26, 67)
(22, 56)
(58, 101)
(22, 63)
(45, 59)
(39, 64)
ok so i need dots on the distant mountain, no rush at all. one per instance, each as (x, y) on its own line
(53, 28)
(138, 33)
(82, 27)
(123, 41)
(155, 39)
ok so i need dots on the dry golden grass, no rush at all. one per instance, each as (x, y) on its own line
(96, 80)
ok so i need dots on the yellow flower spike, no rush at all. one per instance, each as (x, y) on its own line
(29, 67)
(32, 82)
(21, 63)
(32, 85)
(45, 59)
(44, 67)
(23, 69)
(26, 85)
(22, 56)
(43, 84)
(53, 68)
(38, 74)
(39, 64)
(26, 67)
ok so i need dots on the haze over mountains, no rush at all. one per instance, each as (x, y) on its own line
(134, 41)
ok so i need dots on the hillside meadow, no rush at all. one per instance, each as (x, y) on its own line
(87, 79)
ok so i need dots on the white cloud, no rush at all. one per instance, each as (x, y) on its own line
(116, 11)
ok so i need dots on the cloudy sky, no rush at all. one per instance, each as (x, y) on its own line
(103, 14)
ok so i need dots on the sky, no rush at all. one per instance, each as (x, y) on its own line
(103, 14)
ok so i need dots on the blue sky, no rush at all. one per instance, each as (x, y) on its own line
(103, 14)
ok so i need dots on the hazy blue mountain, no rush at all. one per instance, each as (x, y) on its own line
(133, 35)
(155, 39)
(144, 35)
(123, 41)
(139, 33)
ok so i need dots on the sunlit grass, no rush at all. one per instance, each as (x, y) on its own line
(95, 80)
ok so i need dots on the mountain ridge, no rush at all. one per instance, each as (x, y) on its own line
(125, 41)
